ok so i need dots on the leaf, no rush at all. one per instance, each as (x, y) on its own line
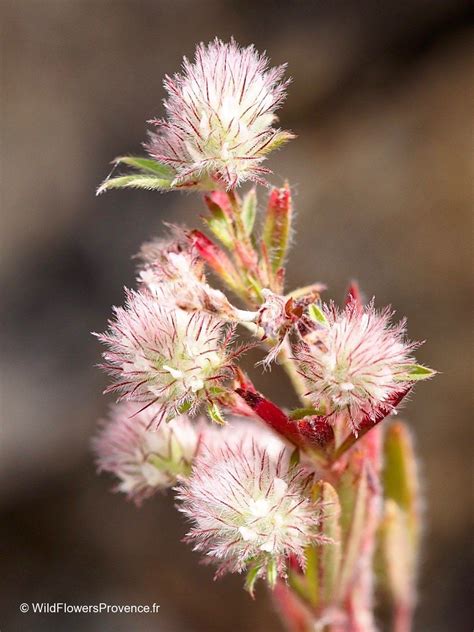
(317, 314)
(279, 139)
(272, 574)
(398, 554)
(148, 182)
(354, 501)
(146, 165)
(215, 414)
(400, 473)
(249, 211)
(414, 373)
(218, 224)
(277, 226)
(252, 576)
(324, 561)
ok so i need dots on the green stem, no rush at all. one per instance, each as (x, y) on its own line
(289, 366)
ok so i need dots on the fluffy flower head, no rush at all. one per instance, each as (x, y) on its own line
(220, 115)
(250, 509)
(174, 273)
(143, 460)
(355, 361)
(163, 356)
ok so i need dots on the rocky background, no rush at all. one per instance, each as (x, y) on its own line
(382, 104)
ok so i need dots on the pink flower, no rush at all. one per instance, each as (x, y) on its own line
(166, 357)
(143, 460)
(250, 509)
(173, 272)
(220, 115)
(356, 361)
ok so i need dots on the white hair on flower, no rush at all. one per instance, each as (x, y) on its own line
(356, 361)
(164, 356)
(220, 113)
(144, 460)
(250, 509)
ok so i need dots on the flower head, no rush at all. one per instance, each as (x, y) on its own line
(171, 259)
(356, 361)
(174, 274)
(144, 460)
(163, 356)
(250, 509)
(220, 115)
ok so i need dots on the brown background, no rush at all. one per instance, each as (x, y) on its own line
(382, 105)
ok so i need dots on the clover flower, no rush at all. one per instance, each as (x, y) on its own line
(220, 113)
(356, 361)
(168, 357)
(250, 509)
(143, 460)
(174, 273)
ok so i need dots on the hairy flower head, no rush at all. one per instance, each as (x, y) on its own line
(168, 357)
(174, 273)
(250, 509)
(356, 361)
(220, 113)
(144, 460)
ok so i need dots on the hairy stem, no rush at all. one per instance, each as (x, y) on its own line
(288, 365)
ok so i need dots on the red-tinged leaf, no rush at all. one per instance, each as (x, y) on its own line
(215, 257)
(317, 431)
(354, 294)
(368, 422)
(277, 226)
(272, 415)
(292, 609)
(219, 200)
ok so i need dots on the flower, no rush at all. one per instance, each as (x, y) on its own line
(220, 115)
(169, 259)
(144, 460)
(173, 272)
(167, 357)
(250, 509)
(356, 361)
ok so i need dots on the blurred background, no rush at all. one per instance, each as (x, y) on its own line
(381, 101)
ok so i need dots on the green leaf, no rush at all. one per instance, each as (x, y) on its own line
(278, 140)
(317, 314)
(324, 561)
(251, 578)
(400, 472)
(146, 165)
(354, 502)
(249, 211)
(215, 414)
(148, 182)
(398, 554)
(218, 224)
(414, 373)
(272, 573)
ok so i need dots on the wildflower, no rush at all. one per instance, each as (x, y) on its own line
(168, 357)
(356, 361)
(143, 460)
(220, 115)
(250, 510)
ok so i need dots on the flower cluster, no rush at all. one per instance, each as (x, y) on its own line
(220, 116)
(144, 460)
(167, 357)
(263, 493)
(355, 361)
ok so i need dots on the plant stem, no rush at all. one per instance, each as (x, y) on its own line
(288, 365)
